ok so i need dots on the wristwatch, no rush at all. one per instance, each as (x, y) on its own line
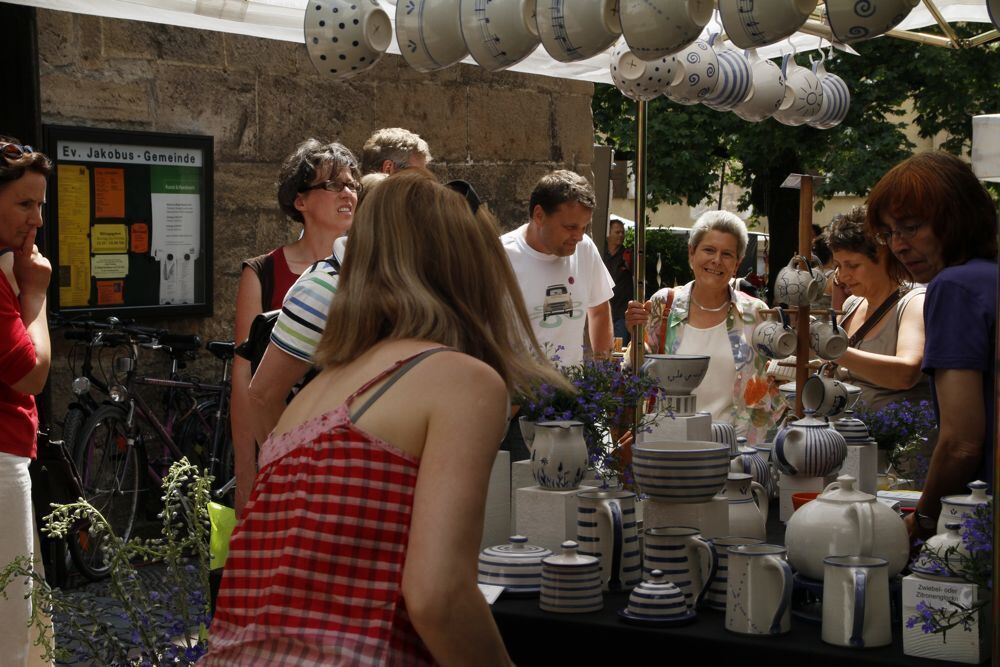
(926, 521)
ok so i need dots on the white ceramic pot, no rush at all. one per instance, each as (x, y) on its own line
(715, 598)
(767, 93)
(429, 34)
(747, 506)
(735, 78)
(676, 374)
(687, 559)
(751, 24)
(699, 67)
(641, 80)
(843, 521)
(943, 555)
(517, 565)
(559, 456)
(606, 528)
(853, 21)
(680, 471)
(571, 582)
(346, 37)
(856, 602)
(573, 30)
(959, 508)
(803, 99)
(758, 590)
(836, 99)
(499, 33)
(657, 28)
(808, 447)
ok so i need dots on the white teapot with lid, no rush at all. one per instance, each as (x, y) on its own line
(843, 521)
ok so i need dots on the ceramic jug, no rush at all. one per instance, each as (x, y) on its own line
(685, 558)
(808, 447)
(856, 602)
(959, 508)
(747, 506)
(715, 598)
(843, 521)
(758, 590)
(753, 463)
(559, 456)
(606, 528)
(724, 433)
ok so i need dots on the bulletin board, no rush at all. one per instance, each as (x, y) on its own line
(129, 222)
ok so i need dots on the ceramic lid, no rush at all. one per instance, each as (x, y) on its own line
(564, 423)
(749, 451)
(844, 491)
(517, 550)
(658, 585)
(569, 557)
(809, 421)
(977, 497)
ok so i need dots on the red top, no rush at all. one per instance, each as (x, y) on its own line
(315, 566)
(283, 277)
(18, 416)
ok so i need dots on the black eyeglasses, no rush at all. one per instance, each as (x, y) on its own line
(903, 232)
(14, 152)
(465, 189)
(333, 186)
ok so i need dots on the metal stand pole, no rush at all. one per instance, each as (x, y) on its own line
(805, 249)
(639, 267)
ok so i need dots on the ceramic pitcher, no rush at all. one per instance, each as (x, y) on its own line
(715, 598)
(606, 528)
(752, 462)
(559, 456)
(685, 558)
(759, 590)
(747, 506)
(856, 601)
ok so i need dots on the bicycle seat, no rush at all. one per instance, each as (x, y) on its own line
(180, 342)
(223, 349)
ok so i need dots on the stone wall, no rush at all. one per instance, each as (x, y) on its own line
(258, 98)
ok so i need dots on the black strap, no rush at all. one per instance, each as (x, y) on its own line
(874, 318)
(400, 372)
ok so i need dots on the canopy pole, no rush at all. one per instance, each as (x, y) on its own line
(639, 264)
(948, 30)
(802, 326)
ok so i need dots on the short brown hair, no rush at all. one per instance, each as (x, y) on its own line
(848, 233)
(11, 170)
(559, 187)
(938, 188)
(300, 168)
(395, 144)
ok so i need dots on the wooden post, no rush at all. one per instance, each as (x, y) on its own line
(802, 325)
(639, 265)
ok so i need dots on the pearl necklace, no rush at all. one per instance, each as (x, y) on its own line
(709, 310)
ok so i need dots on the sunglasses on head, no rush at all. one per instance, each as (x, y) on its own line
(15, 152)
(465, 189)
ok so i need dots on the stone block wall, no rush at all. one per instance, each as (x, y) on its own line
(258, 98)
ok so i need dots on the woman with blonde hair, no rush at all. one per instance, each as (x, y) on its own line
(359, 542)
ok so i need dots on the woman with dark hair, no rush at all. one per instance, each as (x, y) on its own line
(24, 367)
(940, 222)
(317, 186)
(884, 317)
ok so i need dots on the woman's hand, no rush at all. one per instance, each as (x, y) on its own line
(637, 313)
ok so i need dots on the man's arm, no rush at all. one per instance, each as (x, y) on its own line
(276, 375)
(600, 328)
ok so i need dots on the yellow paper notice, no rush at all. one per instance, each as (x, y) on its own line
(109, 239)
(109, 193)
(109, 266)
(74, 227)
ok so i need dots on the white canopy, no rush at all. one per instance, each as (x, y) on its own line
(283, 20)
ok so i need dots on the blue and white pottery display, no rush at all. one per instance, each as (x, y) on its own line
(680, 471)
(725, 433)
(429, 33)
(638, 79)
(657, 600)
(657, 28)
(836, 99)
(715, 597)
(499, 33)
(606, 528)
(685, 558)
(803, 97)
(854, 20)
(699, 66)
(959, 508)
(571, 582)
(559, 456)
(751, 462)
(808, 447)
(676, 374)
(735, 78)
(750, 24)
(517, 565)
(767, 93)
(573, 30)
(346, 37)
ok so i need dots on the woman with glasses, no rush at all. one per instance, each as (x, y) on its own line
(24, 366)
(318, 187)
(938, 220)
(884, 317)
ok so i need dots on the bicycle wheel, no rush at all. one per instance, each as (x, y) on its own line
(109, 471)
(72, 425)
(195, 435)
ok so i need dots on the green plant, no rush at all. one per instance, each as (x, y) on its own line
(670, 249)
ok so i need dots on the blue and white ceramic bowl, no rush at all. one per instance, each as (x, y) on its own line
(680, 471)
(657, 28)
(517, 565)
(750, 24)
(572, 30)
(803, 94)
(346, 37)
(429, 33)
(499, 33)
(853, 21)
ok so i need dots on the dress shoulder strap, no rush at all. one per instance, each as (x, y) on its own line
(394, 373)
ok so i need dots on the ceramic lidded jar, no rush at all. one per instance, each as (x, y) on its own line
(843, 521)
(942, 555)
(517, 565)
(657, 599)
(571, 583)
(808, 447)
(959, 508)
(559, 456)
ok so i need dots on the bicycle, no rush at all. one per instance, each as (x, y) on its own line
(111, 446)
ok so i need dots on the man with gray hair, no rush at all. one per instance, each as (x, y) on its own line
(393, 148)
(562, 276)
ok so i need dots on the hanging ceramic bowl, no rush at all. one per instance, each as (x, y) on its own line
(767, 93)
(499, 33)
(735, 77)
(699, 66)
(572, 31)
(638, 79)
(751, 24)
(853, 21)
(657, 28)
(803, 94)
(429, 33)
(346, 37)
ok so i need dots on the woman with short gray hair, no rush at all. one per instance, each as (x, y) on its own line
(708, 316)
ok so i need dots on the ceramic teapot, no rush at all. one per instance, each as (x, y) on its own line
(808, 447)
(843, 521)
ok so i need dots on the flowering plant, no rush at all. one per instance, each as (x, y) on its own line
(166, 627)
(972, 561)
(901, 430)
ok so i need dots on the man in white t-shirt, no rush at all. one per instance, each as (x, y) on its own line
(562, 276)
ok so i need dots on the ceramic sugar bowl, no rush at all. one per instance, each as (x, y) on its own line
(517, 565)
(657, 601)
(959, 508)
(843, 521)
(571, 582)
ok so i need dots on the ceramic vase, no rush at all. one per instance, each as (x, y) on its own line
(559, 456)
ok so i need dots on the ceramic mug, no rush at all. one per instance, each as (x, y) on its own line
(735, 77)
(824, 396)
(836, 99)
(856, 601)
(657, 28)
(575, 34)
(638, 79)
(716, 596)
(346, 37)
(775, 338)
(758, 590)
(750, 24)
(798, 286)
(828, 339)
(852, 21)
(803, 94)
(767, 92)
(606, 529)
(699, 74)
(684, 557)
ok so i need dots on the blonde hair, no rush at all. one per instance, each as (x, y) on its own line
(419, 265)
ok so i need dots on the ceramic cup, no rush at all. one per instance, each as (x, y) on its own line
(750, 24)
(657, 28)
(572, 31)
(346, 37)
(827, 338)
(715, 598)
(606, 529)
(685, 557)
(767, 92)
(836, 99)
(500, 33)
(638, 79)
(803, 94)
(775, 338)
(824, 396)
(856, 601)
(429, 34)
(699, 74)
(798, 284)
(852, 21)
(735, 77)
(758, 590)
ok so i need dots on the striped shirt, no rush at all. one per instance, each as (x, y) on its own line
(302, 320)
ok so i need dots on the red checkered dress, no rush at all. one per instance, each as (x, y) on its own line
(315, 567)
